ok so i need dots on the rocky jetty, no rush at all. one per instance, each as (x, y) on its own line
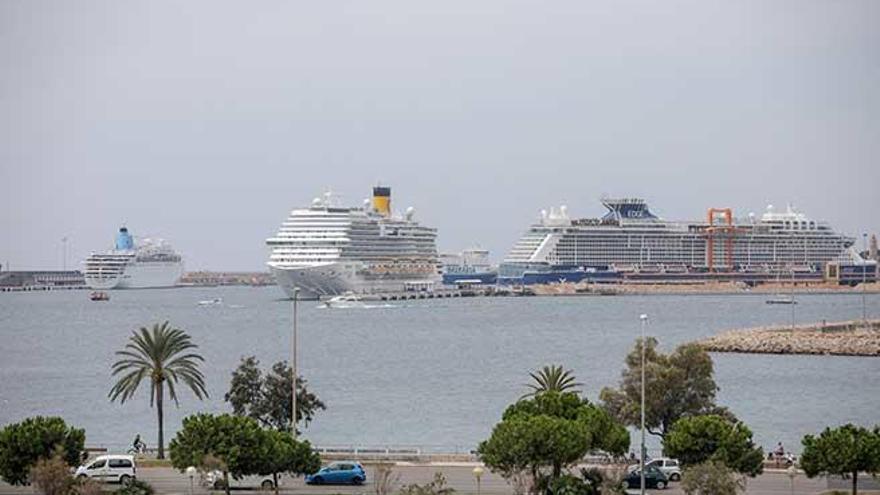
(847, 338)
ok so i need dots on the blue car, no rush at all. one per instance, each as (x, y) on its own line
(342, 472)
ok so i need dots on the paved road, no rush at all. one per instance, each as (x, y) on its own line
(168, 481)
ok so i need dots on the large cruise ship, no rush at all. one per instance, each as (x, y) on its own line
(630, 239)
(326, 250)
(147, 264)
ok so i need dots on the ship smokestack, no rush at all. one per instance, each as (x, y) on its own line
(382, 200)
(124, 240)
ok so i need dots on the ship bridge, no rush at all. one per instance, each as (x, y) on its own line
(627, 209)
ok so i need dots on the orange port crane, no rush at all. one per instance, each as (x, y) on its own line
(726, 231)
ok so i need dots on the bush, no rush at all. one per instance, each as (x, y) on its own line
(385, 479)
(23, 444)
(52, 476)
(435, 487)
(136, 487)
(571, 485)
(88, 486)
(711, 478)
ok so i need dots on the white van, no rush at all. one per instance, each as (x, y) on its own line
(109, 468)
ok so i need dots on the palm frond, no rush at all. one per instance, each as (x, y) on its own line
(552, 378)
(164, 355)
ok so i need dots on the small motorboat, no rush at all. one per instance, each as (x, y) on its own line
(99, 295)
(344, 301)
(781, 299)
(211, 302)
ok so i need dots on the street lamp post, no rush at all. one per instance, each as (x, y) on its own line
(792, 473)
(478, 473)
(865, 278)
(293, 360)
(644, 319)
(64, 253)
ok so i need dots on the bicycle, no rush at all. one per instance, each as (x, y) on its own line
(138, 450)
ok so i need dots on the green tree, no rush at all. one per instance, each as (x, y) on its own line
(552, 379)
(698, 439)
(267, 398)
(843, 451)
(23, 444)
(282, 454)
(546, 434)
(164, 356)
(235, 440)
(677, 385)
(711, 478)
(239, 447)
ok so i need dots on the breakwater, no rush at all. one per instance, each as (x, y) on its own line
(846, 338)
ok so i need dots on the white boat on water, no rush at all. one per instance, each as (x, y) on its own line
(345, 301)
(781, 299)
(211, 302)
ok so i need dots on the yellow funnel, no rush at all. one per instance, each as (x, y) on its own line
(382, 200)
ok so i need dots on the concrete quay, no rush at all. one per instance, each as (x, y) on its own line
(846, 338)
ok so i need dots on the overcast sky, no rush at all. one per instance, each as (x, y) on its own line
(205, 122)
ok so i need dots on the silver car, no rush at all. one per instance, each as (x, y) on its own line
(670, 467)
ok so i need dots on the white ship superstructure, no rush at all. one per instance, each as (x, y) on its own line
(327, 250)
(143, 265)
(629, 238)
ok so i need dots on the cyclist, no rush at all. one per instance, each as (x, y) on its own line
(138, 446)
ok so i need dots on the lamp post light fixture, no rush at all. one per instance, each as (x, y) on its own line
(293, 361)
(191, 472)
(644, 319)
(478, 473)
(865, 278)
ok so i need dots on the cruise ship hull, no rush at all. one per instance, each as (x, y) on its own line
(333, 279)
(139, 276)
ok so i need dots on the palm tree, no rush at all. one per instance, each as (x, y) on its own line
(552, 379)
(164, 356)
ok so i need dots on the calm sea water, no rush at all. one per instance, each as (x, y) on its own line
(435, 374)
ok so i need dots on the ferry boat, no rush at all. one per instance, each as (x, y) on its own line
(329, 250)
(630, 242)
(471, 266)
(130, 265)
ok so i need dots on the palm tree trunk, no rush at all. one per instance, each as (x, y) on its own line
(159, 397)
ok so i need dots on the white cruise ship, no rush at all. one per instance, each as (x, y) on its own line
(148, 264)
(630, 239)
(327, 250)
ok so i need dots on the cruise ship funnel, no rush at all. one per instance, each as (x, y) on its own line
(382, 200)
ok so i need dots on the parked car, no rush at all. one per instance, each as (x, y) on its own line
(109, 468)
(214, 479)
(670, 467)
(654, 478)
(338, 473)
